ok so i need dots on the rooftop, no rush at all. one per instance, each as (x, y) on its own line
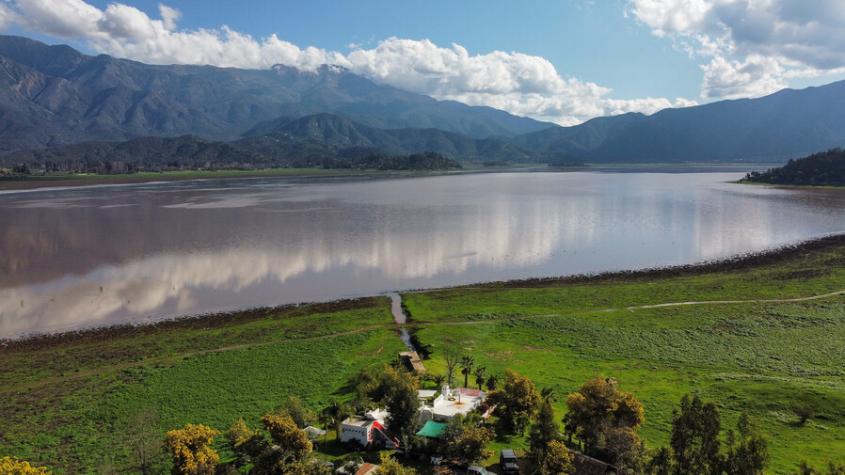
(433, 430)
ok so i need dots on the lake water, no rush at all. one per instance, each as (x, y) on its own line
(116, 254)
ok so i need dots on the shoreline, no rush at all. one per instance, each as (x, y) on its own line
(80, 181)
(217, 319)
(786, 186)
(68, 182)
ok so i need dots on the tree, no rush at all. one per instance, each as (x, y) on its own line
(296, 409)
(452, 358)
(748, 456)
(695, 437)
(147, 448)
(437, 379)
(400, 398)
(832, 469)
(660, 463)
(467, 363)
(15, 466)
(479, 376)
(311, 466)
(190, 448)
(804, 414)
(389, 466)
(396, 389)
(543, 432)
(334, 414)
(466, 441)
(492, 381)
(516, 402)
(625, 449)
(596, 410)
(247, 444)
(292, 441)
(557, 460)
(695, 446)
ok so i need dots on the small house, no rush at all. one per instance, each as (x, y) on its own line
(367, 430)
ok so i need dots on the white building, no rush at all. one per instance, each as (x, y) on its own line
(365, 430)
(449, 403)
(369, 429)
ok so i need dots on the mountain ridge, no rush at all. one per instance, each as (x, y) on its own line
(55, 95)
(786, 124)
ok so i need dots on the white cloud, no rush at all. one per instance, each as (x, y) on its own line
(518, 83)
(753, 47)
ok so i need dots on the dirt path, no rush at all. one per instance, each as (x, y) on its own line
(729, 302)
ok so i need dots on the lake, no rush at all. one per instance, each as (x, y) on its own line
(135, 253)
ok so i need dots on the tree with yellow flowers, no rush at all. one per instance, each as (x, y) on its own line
(191, 450)
(292, 441)
(15, 466)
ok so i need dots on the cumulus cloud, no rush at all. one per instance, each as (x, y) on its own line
(752, 47)
(518, 83)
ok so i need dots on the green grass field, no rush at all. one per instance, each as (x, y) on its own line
(765, 359)
(65, 402)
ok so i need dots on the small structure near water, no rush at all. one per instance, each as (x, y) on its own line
(412, 360)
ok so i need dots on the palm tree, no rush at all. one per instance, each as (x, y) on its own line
(333, 414)
(479, 376)
(438, 380)
(452, 357)
(492, 381)
(467, 362)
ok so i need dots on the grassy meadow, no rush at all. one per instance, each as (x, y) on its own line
(68, 401)
(763, 358)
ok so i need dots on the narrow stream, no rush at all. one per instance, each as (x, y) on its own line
(400, 318)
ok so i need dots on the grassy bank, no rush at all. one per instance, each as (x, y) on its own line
(743, 346)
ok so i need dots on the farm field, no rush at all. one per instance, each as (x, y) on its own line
(767, 337)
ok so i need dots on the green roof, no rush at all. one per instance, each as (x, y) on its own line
(433, 429)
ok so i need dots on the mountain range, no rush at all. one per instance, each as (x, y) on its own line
(57, 103)
(54, 95)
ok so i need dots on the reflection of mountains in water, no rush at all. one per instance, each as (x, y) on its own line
(115, 277)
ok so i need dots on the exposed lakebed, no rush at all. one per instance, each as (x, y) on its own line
(116, 254)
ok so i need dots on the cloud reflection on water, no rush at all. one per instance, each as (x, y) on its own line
(75, 263)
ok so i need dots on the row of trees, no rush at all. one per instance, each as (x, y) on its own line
(466, 366)
(604, 422)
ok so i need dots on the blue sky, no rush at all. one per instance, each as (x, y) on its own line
(594, 42)
(564, 60)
